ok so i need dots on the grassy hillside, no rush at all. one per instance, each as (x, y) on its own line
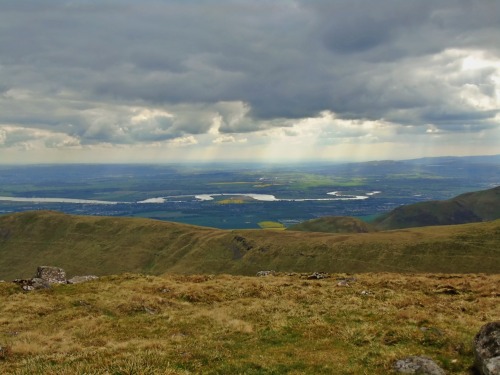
(110, 245)
(466, 208)
(333, 224)
(136, 324)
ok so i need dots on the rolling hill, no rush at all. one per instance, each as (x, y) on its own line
(110, 245)
(466, 208)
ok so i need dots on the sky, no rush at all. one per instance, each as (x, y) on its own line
(108, 81)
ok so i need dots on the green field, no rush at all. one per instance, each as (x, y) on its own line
(271, 225)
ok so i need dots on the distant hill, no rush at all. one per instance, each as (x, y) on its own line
(111, 245)
(466, 208)
(333, 224)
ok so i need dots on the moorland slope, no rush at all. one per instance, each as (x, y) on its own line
(111, 245)
(466, 208)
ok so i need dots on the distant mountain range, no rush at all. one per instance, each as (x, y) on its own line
(466, 208)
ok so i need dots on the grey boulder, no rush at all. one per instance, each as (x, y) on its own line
(487, 349)
(418, 365)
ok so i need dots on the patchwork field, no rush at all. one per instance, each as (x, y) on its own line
(301, 191)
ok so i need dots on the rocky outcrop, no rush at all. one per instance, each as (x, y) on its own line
(32, 284)
(53, 275)
(487, 349)
(418, 365)
(47, 276)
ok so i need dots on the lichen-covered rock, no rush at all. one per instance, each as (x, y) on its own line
(418, 365)
(46, 276)
(53, 275)
(32, 284)
(487, 349)
(81, 279)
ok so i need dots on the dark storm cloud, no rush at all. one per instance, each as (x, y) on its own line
(281, 59)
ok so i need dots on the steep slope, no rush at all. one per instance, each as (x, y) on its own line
(110, 245)
(333, 224)
(465, 208)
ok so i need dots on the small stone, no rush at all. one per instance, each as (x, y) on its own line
(418, 365)
(265, 273)
(343, 283)
(318, 276)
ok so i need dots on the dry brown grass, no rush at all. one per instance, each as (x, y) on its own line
(285, 324)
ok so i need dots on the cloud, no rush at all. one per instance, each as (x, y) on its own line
(28, 139)
(124, 73)
(224, 138)
(184, 141)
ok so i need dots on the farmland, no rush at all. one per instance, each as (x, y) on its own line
(230, 196)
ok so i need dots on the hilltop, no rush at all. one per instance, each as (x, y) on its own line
(109, 245)
(466, 208)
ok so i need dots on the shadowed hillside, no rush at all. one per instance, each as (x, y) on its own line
(110, 245)
(465, 208)
(333, 224)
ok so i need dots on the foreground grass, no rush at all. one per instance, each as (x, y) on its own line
(135, 324)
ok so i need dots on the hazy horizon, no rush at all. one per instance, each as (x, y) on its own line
(243, 162)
